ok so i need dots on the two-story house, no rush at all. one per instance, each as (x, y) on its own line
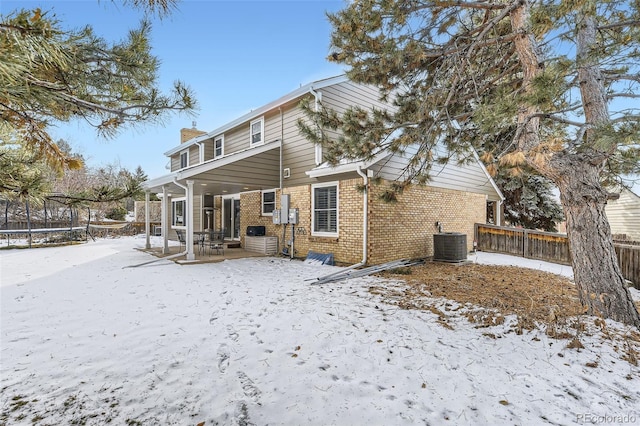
(237, 175)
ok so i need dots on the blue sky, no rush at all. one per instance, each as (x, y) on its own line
(236, 55)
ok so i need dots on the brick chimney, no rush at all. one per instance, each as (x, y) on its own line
(187, 134)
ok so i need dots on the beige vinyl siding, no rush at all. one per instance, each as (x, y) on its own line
(208, 149)
(469, 177)
(624, 215)
(299, 153)
(197, 213)
(175, 162)
(344, 95)
(194, 157)
(262, 168)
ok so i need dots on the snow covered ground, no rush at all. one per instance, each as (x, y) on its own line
(251, 341)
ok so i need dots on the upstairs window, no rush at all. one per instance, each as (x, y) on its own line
(257, 131)
(184, 159)
(268, 202)
(218, 147)
(324, 210)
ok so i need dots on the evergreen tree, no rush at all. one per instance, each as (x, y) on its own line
(550, 74)
(51, 74)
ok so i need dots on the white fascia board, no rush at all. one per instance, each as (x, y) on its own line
(486, 173)
(159, 181)
(260, 111)
(326, 170)
(225, 160)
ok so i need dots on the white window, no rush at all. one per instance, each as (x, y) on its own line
(268, 202)
(218, 147)
(257, 131)
(184, 159)
(179, 212)
(324, 209)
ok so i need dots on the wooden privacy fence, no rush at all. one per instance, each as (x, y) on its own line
(548, 246)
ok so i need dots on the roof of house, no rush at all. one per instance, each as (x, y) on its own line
(319, 84)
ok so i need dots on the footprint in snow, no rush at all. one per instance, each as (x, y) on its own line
(223, 358)
(233, 334)
(248, 387)
(241, 414)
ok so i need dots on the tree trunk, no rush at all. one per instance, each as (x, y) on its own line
(597, 275)
(595, 266)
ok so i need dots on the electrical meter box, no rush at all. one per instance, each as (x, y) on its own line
(293, 216)
(284, 208)
(277, 218)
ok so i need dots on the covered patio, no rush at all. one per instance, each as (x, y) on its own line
(205, 196)
(202, 256)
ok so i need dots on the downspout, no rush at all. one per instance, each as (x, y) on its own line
(281, 146)
(189, 235)
(316, 108)
(164, 220)
(365, 219)
(365, 215)
(499, 210)
(318, 96)
(147, 226)
(200, 151)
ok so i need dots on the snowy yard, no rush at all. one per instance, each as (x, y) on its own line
(251, 341)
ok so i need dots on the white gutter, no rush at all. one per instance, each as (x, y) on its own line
(316, 108)
(260, 111)
(365, 235)
(318, 96)
(326, 170)
(200, 151)
(189, 242)
(365, 215)
(281, 146)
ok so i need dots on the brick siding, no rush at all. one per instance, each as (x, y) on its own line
(403, 229)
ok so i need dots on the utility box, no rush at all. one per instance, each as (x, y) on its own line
(293, 216)
(277, 218)
(284, 208)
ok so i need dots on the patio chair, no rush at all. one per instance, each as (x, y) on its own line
(180, 235)
(201, 243)
(216, 241)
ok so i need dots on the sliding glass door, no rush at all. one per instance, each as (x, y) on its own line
(231, 216)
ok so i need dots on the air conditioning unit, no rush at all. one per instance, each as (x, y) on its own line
(450, 247)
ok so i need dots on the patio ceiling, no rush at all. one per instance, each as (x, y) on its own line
(249, 170)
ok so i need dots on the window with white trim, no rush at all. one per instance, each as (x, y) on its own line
(257, 131)
(184, 159)
(268, 202)
(218, 147)
(178, 212)
(324, 209)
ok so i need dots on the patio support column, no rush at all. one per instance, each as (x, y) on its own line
(147, 227)
(164, 220)
(189, 212)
